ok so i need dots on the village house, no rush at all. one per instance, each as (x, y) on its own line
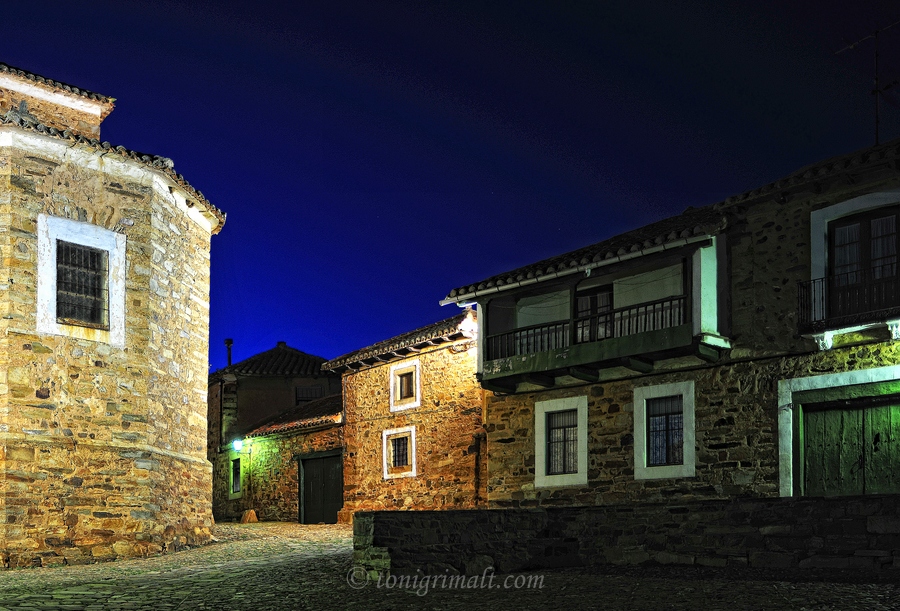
(412, 421)
(288, 468)
(255, 391)
(725, 382)
(104, 311)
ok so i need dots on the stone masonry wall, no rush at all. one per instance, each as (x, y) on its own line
(450, 455)
(859, 533)
(102, 449)
(270, 473)
(768, 253)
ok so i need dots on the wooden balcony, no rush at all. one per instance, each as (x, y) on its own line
(633, 337)
(849, 300)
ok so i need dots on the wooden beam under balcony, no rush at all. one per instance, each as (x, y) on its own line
(585, 373)
(708, 353)
(636, 364)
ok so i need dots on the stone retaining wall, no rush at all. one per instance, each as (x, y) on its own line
(861, 533)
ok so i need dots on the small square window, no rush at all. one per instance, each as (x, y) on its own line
(399, 452)
(405, 386)
(82, 296)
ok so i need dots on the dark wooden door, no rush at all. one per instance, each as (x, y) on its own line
(322, 486)
(851, 451)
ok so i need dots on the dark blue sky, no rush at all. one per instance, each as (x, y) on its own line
(371, 156)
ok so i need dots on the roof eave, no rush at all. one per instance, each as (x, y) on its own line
(679, 243)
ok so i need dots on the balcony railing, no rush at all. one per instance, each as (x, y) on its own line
(640, 318)
(848, 299)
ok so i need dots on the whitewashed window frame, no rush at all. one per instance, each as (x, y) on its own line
(689, 459)
(398, 404)
(53, 228)
(541, 408)
(386, 436)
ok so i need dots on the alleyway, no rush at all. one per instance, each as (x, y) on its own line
(288, 566)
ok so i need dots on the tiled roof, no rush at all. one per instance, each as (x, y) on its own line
(692, 222)
(670, 232)
(445, 330)
(57, 84)
(327, 410)
(282, 360)
(157, 162)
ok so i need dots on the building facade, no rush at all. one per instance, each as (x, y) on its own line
(282, 386)
(412, 429)
(104, 310)
(745, 349)
(289, 468)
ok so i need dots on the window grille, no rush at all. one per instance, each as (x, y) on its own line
(665, 431)
(400, 451)
(562, 442)
(81, 285)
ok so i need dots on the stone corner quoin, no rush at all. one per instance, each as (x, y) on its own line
(102, 424)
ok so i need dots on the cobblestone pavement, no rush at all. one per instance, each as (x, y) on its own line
(289, 566)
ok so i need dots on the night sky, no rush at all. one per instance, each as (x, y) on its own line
(371, 156)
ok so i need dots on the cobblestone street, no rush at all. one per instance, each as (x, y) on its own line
(289, 566)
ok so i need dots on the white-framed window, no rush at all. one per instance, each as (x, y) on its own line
(406, 386)
(398, 447)
(560, 442)
(664, 431)
(81, 280)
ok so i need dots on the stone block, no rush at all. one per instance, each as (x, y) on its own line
(825, 562)
(671, 558)
(771, 560)
(883, 524)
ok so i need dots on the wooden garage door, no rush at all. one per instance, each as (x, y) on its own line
(322, 490)
(852, 448)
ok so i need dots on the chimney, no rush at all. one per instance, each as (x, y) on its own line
(228, 344)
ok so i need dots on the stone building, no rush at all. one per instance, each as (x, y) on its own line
(412, 429)
(747, 348)
(244, 395)
(288, 468)
(104, 311)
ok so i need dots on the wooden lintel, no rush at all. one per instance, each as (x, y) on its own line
(708, 353)
(540, 379)
(636, 364)
(588, 374)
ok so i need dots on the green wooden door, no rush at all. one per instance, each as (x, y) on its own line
(851, 451)
(881, 437)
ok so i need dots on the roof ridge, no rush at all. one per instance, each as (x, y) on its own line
(80, 91)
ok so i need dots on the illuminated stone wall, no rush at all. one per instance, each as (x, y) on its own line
(269, 473)
(102, 447)
(450, 455)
